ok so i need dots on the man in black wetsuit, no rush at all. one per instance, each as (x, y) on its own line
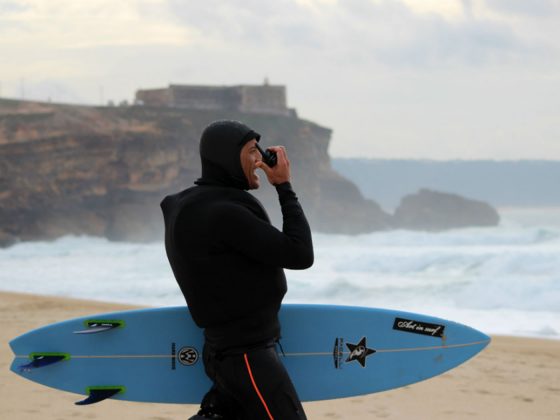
(228, 261)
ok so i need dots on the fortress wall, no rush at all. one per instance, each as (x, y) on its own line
(204, 97)
(154, 97)
(263, 99)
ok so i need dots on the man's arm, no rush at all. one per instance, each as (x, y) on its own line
(290, 248)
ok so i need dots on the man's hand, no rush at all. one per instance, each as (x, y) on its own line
(280, 172)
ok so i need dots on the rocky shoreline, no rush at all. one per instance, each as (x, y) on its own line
(102, 171)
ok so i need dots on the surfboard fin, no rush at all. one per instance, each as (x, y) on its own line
(39, 360)
(96, 326)
(100, 393)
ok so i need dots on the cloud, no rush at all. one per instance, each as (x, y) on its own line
(529, 8)
(252, 23)
(439, 43)
(66, 24)
(399, 34)
(9, 7)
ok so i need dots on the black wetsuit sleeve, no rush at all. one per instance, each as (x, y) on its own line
(290, 248)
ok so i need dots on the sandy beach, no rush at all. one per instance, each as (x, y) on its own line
(514, 378)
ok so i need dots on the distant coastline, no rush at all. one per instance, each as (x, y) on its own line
(503, 184)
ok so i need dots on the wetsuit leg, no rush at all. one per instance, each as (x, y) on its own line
(216, 405)
(255, 384)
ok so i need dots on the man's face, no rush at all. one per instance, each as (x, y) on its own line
(249, 157)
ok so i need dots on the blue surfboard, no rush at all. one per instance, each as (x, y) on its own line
(154, 355)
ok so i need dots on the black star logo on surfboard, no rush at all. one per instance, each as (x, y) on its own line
(359, 352)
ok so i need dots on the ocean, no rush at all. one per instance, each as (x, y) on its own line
(501, 280)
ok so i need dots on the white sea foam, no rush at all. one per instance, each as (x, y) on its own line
(503, 280)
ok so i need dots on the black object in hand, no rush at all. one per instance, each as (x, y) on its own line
(268, 156)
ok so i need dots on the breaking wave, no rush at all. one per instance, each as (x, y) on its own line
(502, 280)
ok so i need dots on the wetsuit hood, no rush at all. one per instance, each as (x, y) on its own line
(220, 154)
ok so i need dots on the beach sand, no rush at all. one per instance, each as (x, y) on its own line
(514, 378)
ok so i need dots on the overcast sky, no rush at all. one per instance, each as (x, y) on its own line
(447, 79)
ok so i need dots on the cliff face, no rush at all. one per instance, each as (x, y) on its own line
(103, 171)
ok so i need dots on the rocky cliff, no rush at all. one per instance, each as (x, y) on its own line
(103, 170)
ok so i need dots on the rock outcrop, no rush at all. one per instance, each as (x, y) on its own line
(434, 211)
(103, 171)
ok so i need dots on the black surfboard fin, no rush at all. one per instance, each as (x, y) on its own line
(94, 326)
(39, 360)
(100, 393)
